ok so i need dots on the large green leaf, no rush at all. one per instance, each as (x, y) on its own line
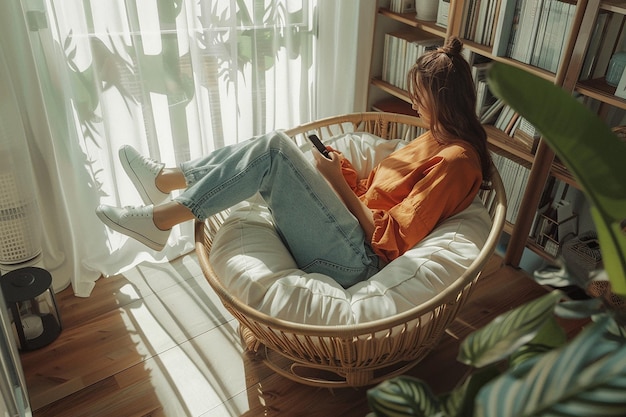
(586, 145)
(507, 332)
(587, 377)
(402, 396)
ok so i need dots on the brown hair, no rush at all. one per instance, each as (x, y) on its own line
(441, 82)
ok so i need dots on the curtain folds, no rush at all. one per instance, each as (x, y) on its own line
(174, 78)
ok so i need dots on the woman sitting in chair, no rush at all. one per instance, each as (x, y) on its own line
(331, 223)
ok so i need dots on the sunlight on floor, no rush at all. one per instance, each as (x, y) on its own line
(195, 355)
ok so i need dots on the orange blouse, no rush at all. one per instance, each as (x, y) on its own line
(414, 189)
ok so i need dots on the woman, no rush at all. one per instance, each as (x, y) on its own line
(331, 223)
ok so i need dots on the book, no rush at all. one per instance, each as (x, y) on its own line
(481, 21)
(527, 142)
(609, 41)
(490, 115)
(541, 33)
(528, 128)
(492, 13)
(515, 28)
(504, 24)
(527, 18)
(594, 46)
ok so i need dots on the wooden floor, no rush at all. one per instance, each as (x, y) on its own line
(157, 342)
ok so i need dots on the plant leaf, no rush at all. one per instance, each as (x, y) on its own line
(579, 309)
(402, 396)
(548, 337)
(460, 402)
(507, 332)
(587, 377)
(585, 144)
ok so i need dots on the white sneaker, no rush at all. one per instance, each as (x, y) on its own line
(136, 222)
(142, 172)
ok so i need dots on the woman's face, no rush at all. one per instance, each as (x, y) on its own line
(422, 111)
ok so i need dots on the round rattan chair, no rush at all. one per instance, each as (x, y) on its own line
(361, 354)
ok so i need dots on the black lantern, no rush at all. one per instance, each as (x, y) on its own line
(33, 312)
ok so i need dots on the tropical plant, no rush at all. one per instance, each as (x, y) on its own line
(522, 364)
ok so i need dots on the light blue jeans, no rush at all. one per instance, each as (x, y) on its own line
(315, 225)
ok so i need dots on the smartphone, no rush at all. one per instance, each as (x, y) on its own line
(319, 145)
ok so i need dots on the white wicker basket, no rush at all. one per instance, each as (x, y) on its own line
(20, 231)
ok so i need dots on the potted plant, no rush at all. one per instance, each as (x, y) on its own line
(523, 365)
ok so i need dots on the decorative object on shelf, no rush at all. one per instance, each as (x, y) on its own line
(33, 311)
(443, 11)
(401, 6)
(620, 90)
(616, 69)
(583, 257)
(426, 10)
(555, 226)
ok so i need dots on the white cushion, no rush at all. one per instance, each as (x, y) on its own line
(256, 267)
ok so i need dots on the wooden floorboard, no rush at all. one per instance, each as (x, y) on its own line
(157, 342)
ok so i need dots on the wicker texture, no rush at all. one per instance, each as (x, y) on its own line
(367, 353)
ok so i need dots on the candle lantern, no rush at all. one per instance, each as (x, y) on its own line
(33, 311)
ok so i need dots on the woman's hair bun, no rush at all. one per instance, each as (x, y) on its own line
(453, 46)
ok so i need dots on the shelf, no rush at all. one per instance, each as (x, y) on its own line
(598, 89)
(391, 89)
(486, 51)
(560, 172)
(394, 105)
(410, 20)
(615, 6)
(503, 142)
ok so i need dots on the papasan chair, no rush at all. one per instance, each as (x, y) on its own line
(311, 330)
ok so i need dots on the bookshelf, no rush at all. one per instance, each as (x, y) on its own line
(577, 41)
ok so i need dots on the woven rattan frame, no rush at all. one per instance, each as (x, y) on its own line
(367, 353)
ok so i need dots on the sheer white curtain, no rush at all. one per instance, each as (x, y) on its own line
(174, 78)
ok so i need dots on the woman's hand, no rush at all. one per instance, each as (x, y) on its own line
(329, 168)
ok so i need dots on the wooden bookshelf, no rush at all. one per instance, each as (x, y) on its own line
(542, 162)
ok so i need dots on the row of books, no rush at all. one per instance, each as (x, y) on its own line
(533, 31)
(514, 178)
(479, 21)
(401, 50)
(484, 97)
(493, 111)
(520, 132)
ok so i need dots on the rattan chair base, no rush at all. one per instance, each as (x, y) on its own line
(304, 372)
